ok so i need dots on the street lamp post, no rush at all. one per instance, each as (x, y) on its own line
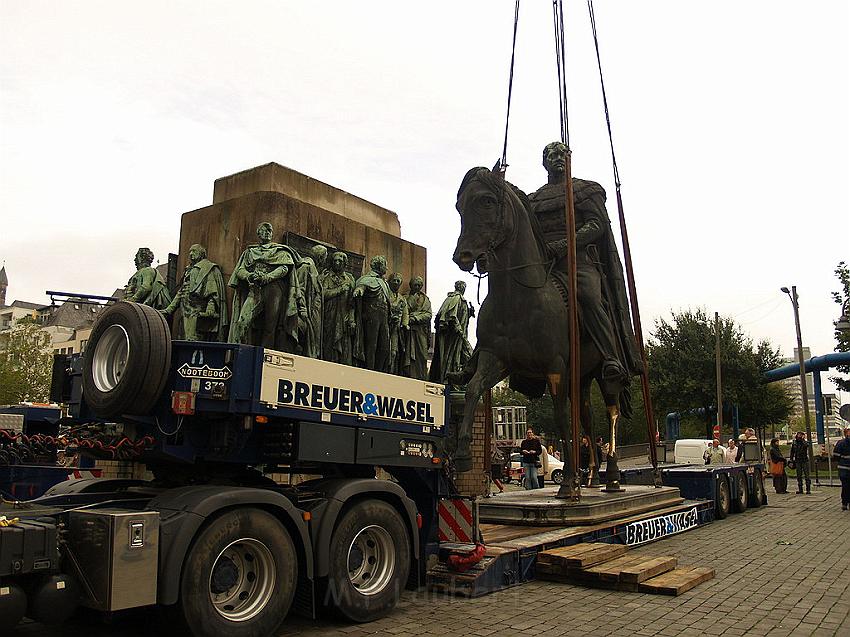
(792, 294)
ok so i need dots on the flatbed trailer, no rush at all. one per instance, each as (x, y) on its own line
(212, 539)
(733, 487)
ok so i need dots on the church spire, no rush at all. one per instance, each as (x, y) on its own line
(4, 283)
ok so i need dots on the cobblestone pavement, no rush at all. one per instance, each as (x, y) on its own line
(782, 570)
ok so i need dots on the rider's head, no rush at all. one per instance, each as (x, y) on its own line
(555, 158)
(529, 433)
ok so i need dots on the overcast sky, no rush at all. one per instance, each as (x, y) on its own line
(730, 124)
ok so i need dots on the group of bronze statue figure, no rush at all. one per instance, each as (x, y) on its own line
(311, 305)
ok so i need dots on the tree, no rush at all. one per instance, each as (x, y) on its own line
(764, 404)
(26, 363)
(681, 357)
(842, 339)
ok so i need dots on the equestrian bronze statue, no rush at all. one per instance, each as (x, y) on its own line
(522, 324)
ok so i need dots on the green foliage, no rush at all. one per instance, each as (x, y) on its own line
(25, 363)
(842, 339)
(506, 397)
(681, 357)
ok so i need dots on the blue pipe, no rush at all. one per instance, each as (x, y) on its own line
(816, 363)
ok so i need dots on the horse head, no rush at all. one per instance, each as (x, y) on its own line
(487, 205)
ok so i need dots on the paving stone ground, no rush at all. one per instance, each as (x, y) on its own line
(782, 570)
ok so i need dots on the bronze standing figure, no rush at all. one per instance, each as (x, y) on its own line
(451, 348)
(146, 286)
(419, 319)
(201, 299)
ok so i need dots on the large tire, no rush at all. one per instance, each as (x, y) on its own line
(239, 577)
(742, 497)
(723, 503)
(557, 476)
(369, 561)
(758, 496)
(126, 364)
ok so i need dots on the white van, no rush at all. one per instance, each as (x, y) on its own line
(690, 451)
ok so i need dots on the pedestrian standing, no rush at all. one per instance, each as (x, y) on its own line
(530, 450)
(542, 468)
(497, 467)
(716, 453)
(841, 452)
(731, 451)
(601, 451)
(584, 460)
(799, 459)
(777, 467)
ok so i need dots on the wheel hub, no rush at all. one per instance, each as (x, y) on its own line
(371, 560)
(109, 359)
(225, 575)
(242, 580)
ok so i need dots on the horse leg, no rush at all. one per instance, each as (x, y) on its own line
(559, 389)
(489, 370)
(587, 427)
(612, 470)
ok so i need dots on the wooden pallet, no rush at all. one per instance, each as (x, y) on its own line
(677, 581)
(580, 555)
(600, 565)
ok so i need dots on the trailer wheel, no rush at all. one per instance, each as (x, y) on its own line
(239, 577)
(369, 561)
(723, 498)
(758, 490)
(127, 360)
(557, 476)
(742, 495)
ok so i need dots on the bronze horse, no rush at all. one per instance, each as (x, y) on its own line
(522, 325)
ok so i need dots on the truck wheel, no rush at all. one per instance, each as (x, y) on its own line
(127, 360)
(557, 476)
(369, 561)
(742, 495)
(758, 490)
(239, 576)
(723, 498)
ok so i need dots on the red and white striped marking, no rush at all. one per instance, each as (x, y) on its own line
(79, 474)
(456, 521)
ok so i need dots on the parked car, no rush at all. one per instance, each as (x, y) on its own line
(551, 471)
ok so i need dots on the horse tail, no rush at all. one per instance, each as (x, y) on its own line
(626, 402)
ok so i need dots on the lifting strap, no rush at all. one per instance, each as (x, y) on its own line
(651, 430)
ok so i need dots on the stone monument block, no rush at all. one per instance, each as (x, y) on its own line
(295, 203)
